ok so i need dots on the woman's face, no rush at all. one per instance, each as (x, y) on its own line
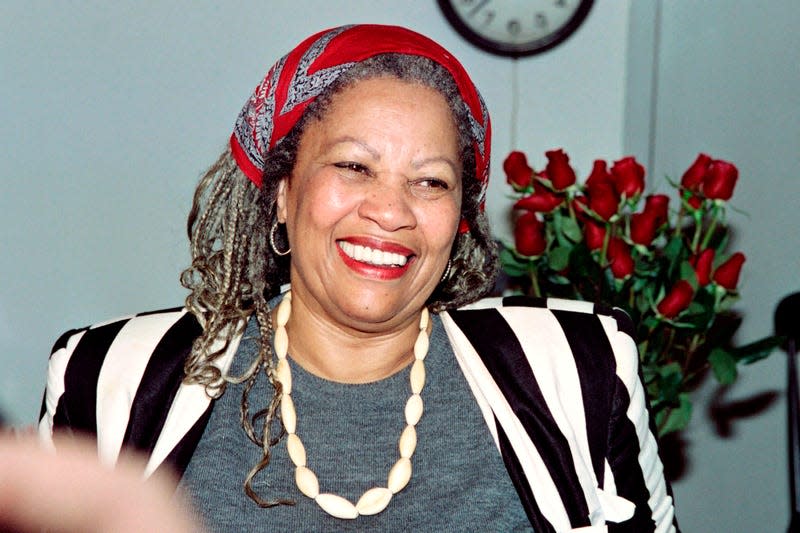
(373, 204)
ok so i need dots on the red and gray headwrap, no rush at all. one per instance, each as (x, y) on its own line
(299, 77)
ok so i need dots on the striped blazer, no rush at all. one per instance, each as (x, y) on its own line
(557, 382)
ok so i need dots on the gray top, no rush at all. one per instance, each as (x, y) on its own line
(459, 481)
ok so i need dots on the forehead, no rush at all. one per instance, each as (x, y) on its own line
(384, 104)
(383, 89)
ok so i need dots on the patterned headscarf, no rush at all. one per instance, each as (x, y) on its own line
(299, 77)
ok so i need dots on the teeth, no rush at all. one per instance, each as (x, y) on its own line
(369, 255)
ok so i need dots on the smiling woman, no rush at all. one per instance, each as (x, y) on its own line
(382, 189)
(337, 320)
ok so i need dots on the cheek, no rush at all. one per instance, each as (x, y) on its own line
(441, 224)
(323, 203)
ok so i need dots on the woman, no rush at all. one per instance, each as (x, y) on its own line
(380, 387)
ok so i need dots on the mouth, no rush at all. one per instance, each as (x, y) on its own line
(373, 256)
(377, 260)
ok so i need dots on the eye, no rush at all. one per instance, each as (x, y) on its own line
(352, 166)
(433, 183)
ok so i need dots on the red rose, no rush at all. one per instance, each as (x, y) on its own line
(727, 274)
(542, 201)
(579, 204)
(518, 173)
(696, 173)
(594, 234)
(676, 300)
(529, 236)
(558, 170)
(598, 175)
(643, 227)
(619, 255)
(702, 266)
(658, 206)
(628, 177)
(603, 200)
(694, 201)
(720, 180)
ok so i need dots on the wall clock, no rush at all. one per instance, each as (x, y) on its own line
(515, 27)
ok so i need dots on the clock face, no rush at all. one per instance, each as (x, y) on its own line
(515, 27)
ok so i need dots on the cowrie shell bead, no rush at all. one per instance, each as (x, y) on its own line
(408, 442)
(281, 340)
(424, 319)
(399, 475)
(288, 414)
(417, 377)
(421, 345)
(413, 409)
(337, 506)
(373, 501)
(284, 310)
(297, 452)
(306, 481)
(284, 375)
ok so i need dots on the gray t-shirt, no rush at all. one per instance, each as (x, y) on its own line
(459, 481)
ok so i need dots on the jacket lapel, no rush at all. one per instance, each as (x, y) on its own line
(190, 404)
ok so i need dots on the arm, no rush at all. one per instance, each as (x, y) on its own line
(633, 460)
(56, 370)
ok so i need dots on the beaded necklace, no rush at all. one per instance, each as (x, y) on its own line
(374, 500)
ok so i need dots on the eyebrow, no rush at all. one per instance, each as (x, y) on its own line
(348, 139)
(377, 156)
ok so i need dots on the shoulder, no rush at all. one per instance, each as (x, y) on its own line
(141, 326)
(114, 355)
(547, 333)
(576, 312)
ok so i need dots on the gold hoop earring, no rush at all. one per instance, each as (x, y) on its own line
(272, 241)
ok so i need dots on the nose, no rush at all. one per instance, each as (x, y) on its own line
(389, 206)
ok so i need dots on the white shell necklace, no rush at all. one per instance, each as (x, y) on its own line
(375, 499)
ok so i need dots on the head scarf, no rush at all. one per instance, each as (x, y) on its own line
(299, 77)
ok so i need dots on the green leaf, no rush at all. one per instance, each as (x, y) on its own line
(676, 418)
(723, 364)
(669, 383)
(571, 229)
(558, 259)
(758, 350)
(688, 274)
(513, 266)
(673, 249)
(560, 280)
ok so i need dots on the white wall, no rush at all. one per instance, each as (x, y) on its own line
(109, 112)
(729, 84)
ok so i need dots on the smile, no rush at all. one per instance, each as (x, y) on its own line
(372, 256)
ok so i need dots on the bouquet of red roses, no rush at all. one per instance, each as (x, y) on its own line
(669, 269)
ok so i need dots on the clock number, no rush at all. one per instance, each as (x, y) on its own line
(560, 3)
(478, 7)
(488, 17)
(540, 20)
(514, 27)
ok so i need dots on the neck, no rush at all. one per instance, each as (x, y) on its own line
(346, 353)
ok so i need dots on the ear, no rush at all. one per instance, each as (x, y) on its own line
(280, 201)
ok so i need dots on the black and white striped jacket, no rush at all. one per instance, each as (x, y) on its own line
(557, 382)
